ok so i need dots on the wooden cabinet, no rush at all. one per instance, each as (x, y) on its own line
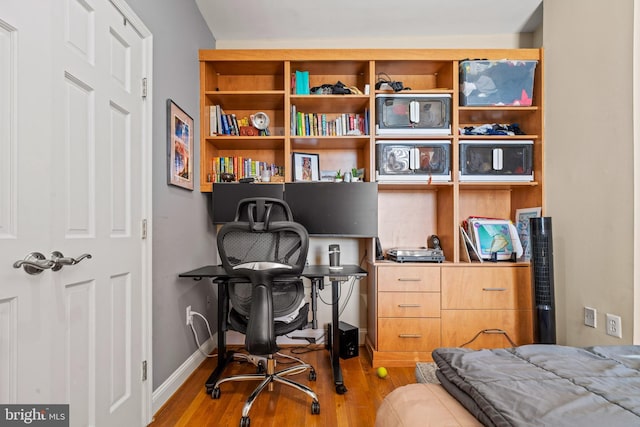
(404, 304)
(415, 308)
(450, 300)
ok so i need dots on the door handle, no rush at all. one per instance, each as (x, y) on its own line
(34, 263)
(59, 260)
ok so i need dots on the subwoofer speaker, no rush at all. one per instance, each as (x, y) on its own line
(348, 340)
(542, 278)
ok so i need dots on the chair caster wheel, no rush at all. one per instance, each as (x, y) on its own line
(215, 394)
(312, 375)
(315, 408)
(341, 389)
(244, 422)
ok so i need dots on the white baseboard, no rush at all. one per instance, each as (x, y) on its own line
(163, 393)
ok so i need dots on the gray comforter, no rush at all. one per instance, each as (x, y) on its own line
(545, 385)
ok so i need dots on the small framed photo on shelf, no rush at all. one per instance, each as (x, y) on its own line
(328, 176)
(306, 167)
(179, 146)
(524, 231)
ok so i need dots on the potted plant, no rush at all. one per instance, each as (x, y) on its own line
(355, 175)
(339, 176)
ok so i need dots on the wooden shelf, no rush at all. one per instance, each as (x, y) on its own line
(233, 142)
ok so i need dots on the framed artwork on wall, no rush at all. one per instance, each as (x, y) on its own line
(179, 146)
(306, 167)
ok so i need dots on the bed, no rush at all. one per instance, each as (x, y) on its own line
(531, 385)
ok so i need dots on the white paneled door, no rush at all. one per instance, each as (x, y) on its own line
(74, 196)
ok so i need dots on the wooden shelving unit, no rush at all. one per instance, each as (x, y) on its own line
(248, 81)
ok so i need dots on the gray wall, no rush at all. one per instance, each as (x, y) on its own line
(589, 159)
(183, 236)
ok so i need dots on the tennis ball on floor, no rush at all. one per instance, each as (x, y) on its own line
(382, 372)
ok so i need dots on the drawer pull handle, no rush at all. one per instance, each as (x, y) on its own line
(410, 336)
(408, 279)
(494, 289)
(409, 305)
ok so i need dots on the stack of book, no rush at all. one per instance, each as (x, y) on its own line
(224, 124)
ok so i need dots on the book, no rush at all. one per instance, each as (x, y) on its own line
(219, 119)
(225, 124)
(213, 123)
(236, 128)
(294, 118)
(302, 82)
(470, 250)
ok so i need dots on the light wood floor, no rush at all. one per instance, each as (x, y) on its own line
(284, 406)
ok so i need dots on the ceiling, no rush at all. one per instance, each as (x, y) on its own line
(342, 19)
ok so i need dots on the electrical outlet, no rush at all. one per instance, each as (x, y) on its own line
(590, 318)
(188, 315)
(614, 325)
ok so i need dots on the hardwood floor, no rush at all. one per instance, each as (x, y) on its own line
(285, 406)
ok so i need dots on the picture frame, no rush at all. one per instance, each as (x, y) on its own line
(524, 230)
(180, 132)
(493, 238)
(306, 167)
(328, 175)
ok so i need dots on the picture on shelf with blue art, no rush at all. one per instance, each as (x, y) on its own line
(495, 239)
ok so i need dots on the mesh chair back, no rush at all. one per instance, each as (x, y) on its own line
(264, 232)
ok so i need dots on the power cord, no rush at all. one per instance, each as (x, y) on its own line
(195, 334)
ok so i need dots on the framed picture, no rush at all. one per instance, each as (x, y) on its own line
(179, 146)
(306, 167)
(328, 176)
(524, 231)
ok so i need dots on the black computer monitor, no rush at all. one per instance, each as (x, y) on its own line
(334, 209)
(226, 196)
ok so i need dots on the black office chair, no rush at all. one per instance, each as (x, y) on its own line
(264, 252)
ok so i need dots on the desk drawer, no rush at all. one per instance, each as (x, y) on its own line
(409, 304)
(486, 288)
(409, 278)
(402, 334)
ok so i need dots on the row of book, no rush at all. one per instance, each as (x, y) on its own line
(321, 124)
(242, 167)
(221, 123)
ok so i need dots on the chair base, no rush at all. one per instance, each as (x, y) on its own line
(267, 380)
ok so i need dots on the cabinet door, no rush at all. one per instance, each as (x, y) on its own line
(486, 288)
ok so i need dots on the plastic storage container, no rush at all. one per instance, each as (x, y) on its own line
(413, 114)
(496, 161)
(484, 83)
(412, 161)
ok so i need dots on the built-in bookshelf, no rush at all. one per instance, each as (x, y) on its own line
(245, 82)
